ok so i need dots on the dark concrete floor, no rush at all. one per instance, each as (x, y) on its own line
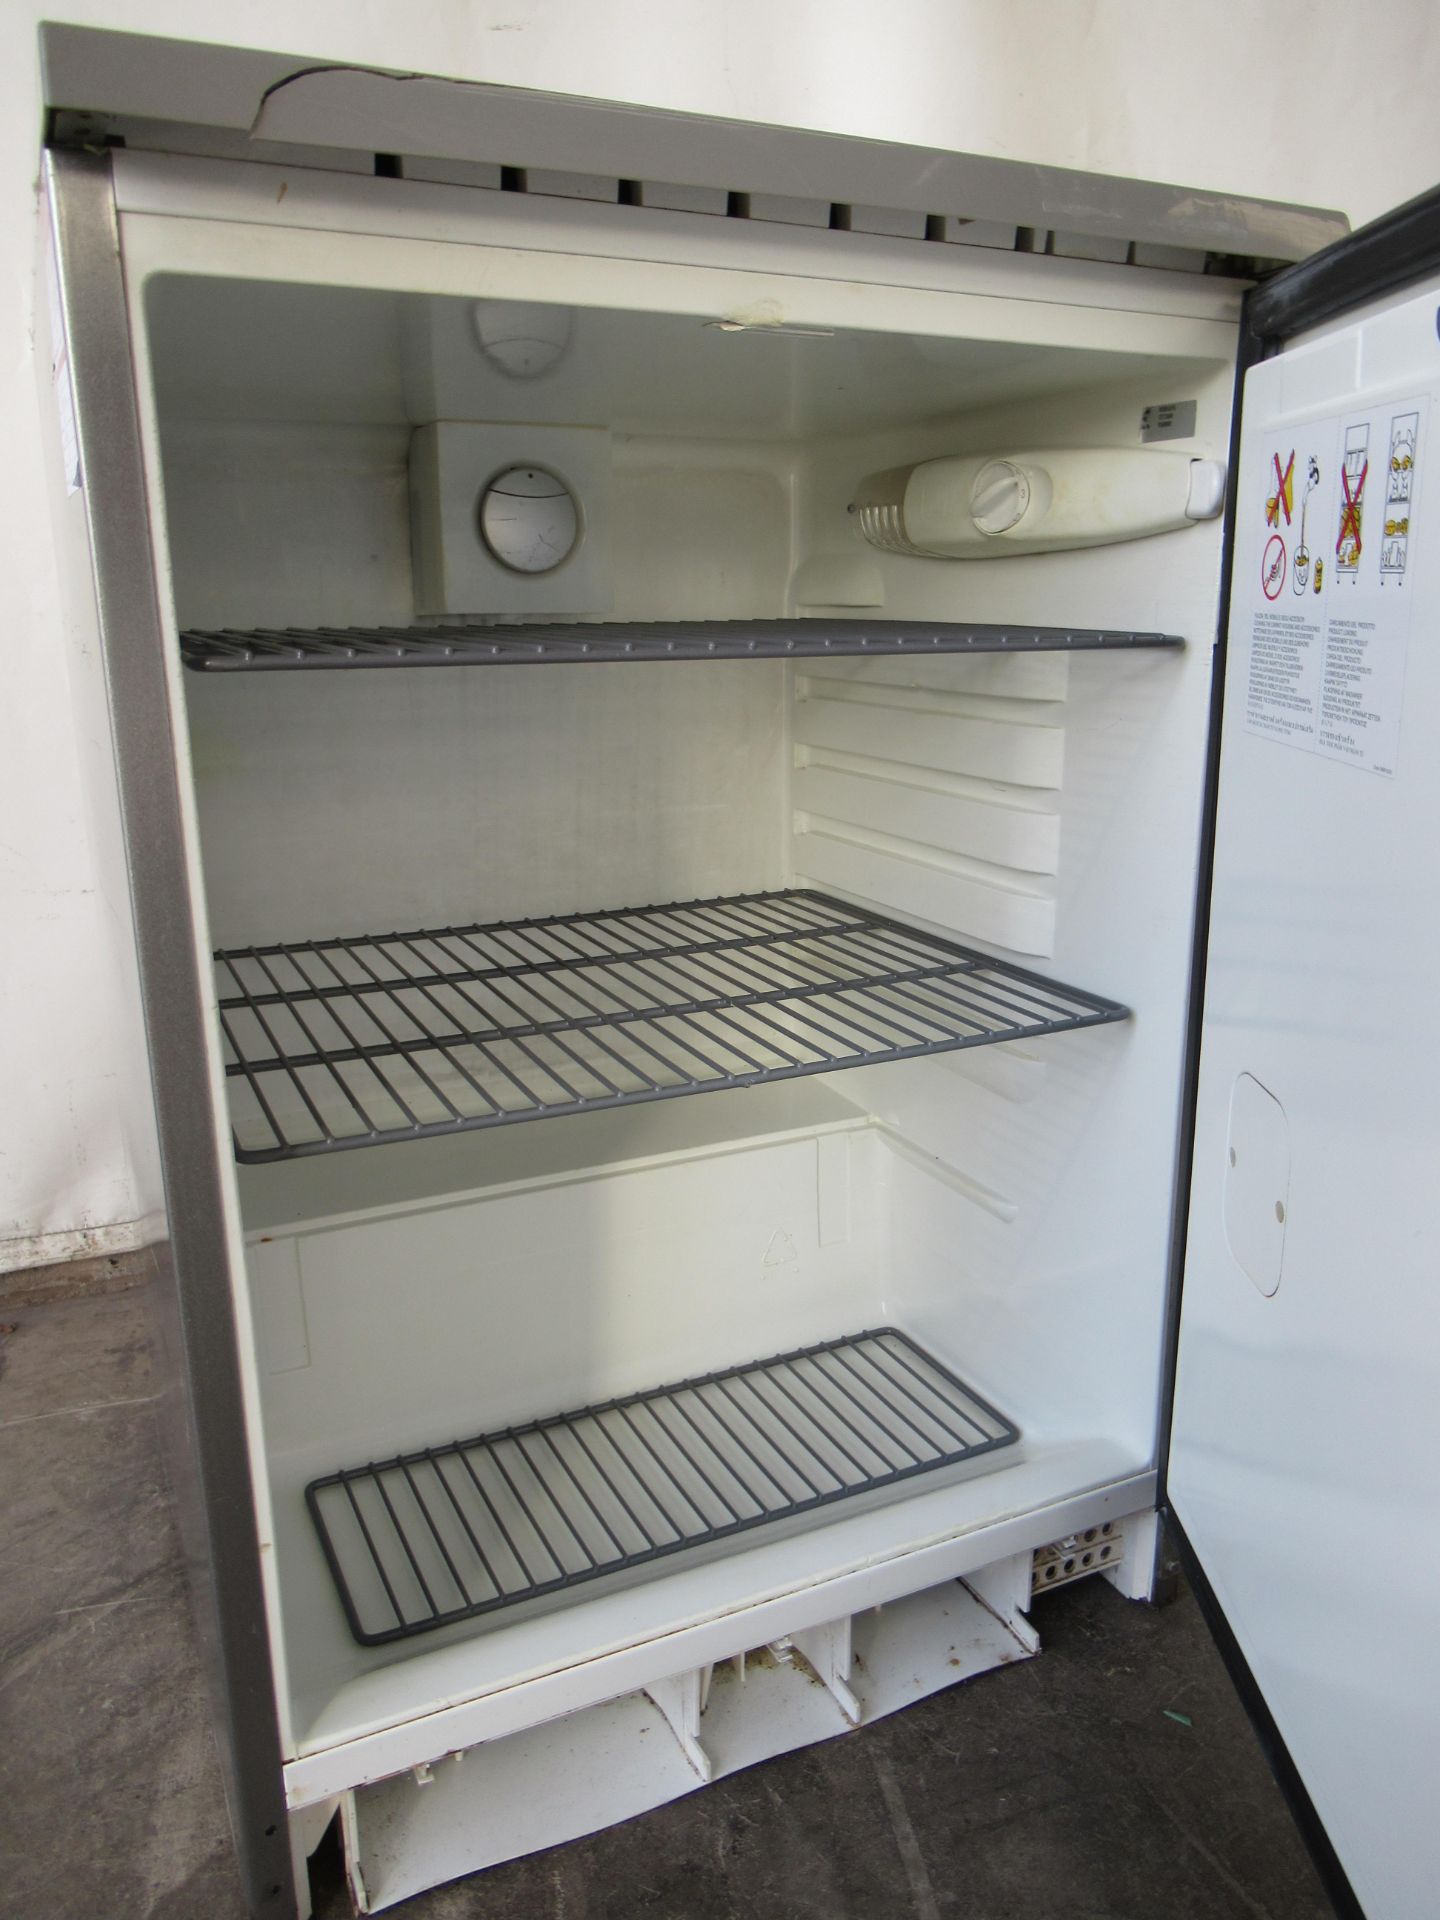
(1058, 1786)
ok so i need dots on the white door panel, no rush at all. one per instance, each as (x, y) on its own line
(1306, 1429)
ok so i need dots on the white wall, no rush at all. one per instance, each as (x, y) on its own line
(1325, 103)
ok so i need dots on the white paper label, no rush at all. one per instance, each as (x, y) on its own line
(1324, 580)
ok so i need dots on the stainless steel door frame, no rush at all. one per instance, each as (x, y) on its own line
(209, 1462)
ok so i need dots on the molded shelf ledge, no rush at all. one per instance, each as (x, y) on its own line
(350, 1042)
(294, 649)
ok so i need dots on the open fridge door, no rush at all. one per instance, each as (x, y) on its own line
(1306, 1412)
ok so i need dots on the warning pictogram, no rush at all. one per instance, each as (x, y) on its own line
(1282, 500)
(1352, 498)
(1272, 567)
(1400, 484)
(1300, 572)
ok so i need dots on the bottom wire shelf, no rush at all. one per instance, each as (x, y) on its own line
(450, 1532)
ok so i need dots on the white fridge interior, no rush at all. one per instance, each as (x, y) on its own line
(1006, 1208)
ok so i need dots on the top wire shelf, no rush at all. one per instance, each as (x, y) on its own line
(295, 649)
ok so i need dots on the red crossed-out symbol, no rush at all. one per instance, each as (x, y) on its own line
(1272, 567)
(1283, 498)
(1350, 509)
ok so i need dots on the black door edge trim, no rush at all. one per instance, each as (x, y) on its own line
(1250, 350)
(1399, 247)
(1332, 1874)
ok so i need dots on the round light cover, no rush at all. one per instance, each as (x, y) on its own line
(523, 339)
(1000, 496)
(529, 520)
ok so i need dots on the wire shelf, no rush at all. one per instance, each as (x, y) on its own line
(451, 1532)
(332, 1044)
(291, 649)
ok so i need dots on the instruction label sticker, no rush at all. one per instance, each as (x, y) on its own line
(1323, 580)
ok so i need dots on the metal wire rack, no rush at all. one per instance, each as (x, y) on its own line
(288, 649)
(332, 1044)
(450, 1532)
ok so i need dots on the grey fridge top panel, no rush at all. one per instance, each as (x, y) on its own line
(310, 102)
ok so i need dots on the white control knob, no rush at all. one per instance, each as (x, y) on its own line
(1000, 497)
(529, 520)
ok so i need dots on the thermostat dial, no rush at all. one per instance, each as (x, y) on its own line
(529, 520)
(1000, 497)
